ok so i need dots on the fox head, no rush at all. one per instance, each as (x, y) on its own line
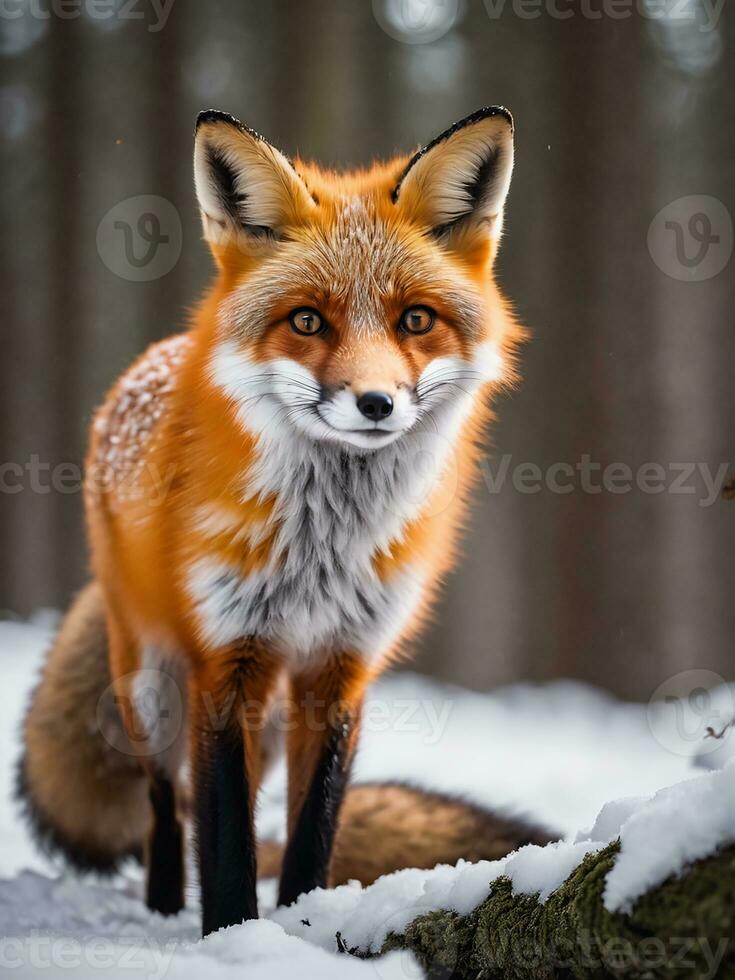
(356, 307)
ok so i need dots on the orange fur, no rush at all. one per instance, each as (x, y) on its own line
(172, 452)
(319, 700)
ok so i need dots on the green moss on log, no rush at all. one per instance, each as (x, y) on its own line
(685, 928)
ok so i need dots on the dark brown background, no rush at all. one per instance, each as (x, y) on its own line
(615, 119)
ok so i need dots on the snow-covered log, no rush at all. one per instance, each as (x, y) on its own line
(683, 928)
(648, 892)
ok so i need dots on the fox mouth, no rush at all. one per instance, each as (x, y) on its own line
(365, 439)
(377, 431)
(370, 436)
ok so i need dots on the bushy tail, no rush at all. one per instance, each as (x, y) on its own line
(388, 826)
(86, 797)
(83, 794)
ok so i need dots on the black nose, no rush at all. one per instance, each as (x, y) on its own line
(375, 405)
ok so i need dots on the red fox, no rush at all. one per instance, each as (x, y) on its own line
(276, 494)
(86, 796)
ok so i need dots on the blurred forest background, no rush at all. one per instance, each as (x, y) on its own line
(633, 353)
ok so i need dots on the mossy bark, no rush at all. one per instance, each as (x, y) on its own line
(685, 928)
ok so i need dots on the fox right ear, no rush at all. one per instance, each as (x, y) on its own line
(245, 186)
(459, 181)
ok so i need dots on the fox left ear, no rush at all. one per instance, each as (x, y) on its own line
(247, 189)
(461, 179)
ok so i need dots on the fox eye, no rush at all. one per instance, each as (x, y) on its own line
(306, 321)
(417, 319)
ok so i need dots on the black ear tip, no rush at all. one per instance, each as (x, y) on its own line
(216, 115)
(507, 115)
(487, 112)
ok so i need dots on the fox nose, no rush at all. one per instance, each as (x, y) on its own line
(375, 405)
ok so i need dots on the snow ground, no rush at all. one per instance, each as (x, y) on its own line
(557, 753)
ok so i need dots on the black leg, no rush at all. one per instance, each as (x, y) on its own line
(165, 886)
(309, 850)
(224, 824)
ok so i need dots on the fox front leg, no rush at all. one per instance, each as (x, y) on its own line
(231, 696)
(325, 717)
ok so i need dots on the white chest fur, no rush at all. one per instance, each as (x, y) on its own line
(335, 512)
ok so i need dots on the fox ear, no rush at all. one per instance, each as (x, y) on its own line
(244, 185)
(461, 178)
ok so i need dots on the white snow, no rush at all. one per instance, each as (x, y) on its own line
(679, 825)
(558, 753)
(365, 916)
(611, 818)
